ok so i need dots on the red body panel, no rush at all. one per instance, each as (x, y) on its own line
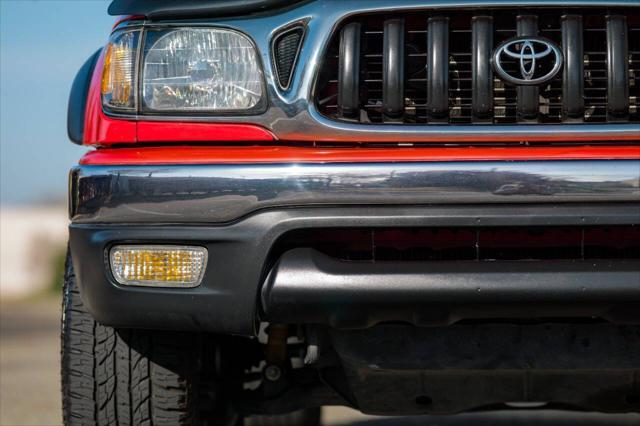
(257, 154)
(159, 131)
(98, 128)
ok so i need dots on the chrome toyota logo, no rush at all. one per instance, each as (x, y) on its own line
(527, 61)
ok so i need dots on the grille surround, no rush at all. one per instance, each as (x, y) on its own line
(293, 117)
(461, 104)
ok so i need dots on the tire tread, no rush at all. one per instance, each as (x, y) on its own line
(124, 377)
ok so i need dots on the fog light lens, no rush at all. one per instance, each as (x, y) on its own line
(158, 266)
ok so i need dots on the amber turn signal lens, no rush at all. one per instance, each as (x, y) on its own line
(118, 74)
(158, 265)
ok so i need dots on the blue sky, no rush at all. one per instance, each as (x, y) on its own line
(42, 45)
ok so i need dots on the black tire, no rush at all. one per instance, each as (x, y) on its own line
(125, 377)
(308, 417)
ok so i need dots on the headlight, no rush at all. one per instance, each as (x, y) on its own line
(211, 70)
(201, 70)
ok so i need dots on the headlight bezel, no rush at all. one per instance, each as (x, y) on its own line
(141, 110)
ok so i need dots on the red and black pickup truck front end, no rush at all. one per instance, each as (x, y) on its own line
(353, 244)
(397, 189)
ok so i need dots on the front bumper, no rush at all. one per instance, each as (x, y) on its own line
(240, 212)
(225, 193)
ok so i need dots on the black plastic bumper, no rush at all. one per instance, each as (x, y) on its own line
(309, 287)
(228, 299)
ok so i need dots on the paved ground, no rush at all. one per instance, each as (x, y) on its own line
(30, 390)
(29, 364)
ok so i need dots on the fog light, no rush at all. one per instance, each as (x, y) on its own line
(158, 266)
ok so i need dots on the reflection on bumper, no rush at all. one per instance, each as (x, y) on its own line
(223, 193)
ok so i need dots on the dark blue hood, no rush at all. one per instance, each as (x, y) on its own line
(163, 9)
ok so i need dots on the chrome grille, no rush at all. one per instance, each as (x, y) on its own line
(361, 100)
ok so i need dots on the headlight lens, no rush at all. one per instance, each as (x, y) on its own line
(182, 70)
(119, 72)
(200, 70)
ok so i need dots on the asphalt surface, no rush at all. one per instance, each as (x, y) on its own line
(30, 382)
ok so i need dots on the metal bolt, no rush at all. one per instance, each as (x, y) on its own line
(272, 373)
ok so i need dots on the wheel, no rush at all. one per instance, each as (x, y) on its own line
(129, 377)
(308, 417)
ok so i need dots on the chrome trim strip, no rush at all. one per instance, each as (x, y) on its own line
(292, 114)
(224, 193)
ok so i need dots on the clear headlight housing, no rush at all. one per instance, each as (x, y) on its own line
(201, 70)
(182, 70)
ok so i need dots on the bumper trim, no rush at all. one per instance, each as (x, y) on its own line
(226, 193)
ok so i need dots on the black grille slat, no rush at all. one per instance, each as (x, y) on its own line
(393, 69)
(617, 67)
(573, 73)
(349, 66)
(528, 96)
(634, 73)
(482, 78)
(463, 89)
(437, 68)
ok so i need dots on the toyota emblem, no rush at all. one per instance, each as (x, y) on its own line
(527, 61)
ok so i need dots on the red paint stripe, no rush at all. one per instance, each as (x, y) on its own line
(257, 154)
(161, 131)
